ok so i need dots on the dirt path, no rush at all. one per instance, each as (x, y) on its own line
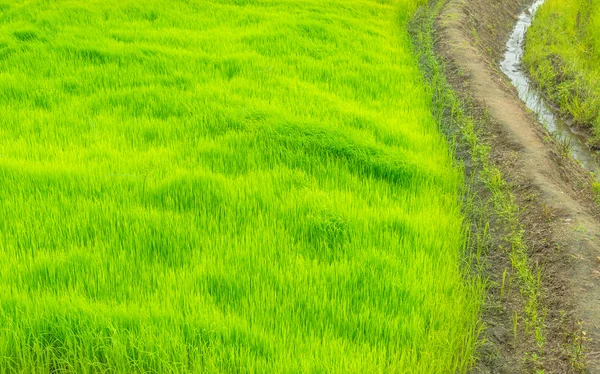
(561, 213)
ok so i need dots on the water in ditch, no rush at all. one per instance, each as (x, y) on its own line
(511, 66)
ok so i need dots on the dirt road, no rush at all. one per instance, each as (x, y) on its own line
(563, 229)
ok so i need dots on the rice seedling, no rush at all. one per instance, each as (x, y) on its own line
(225, 186)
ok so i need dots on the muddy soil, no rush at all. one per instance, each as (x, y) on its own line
(561, 220)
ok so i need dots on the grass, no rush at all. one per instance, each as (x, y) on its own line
(563, 56)
(226, 186)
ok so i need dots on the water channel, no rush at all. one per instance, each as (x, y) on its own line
(511, 66)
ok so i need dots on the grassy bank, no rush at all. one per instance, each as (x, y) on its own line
(225, 186)
(563, 56)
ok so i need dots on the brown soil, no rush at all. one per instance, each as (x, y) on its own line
(562, 222)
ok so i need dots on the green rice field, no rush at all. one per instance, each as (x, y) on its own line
(226, 186)
(563, 55)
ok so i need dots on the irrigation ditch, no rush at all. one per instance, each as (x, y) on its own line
(542, 312)
(512, 67)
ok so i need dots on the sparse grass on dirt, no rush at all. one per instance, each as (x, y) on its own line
(563, 55)
(225, 186)
(492, 196)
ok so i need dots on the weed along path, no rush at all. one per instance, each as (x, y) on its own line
(562, 225)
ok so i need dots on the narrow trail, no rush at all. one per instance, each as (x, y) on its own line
(574, 228)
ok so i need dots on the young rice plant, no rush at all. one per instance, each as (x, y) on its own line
(225, 186)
